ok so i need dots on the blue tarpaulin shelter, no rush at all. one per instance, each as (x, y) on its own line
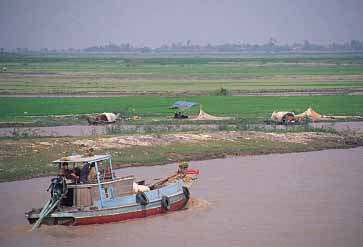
(184, 104)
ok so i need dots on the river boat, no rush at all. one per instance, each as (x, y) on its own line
(107, 198)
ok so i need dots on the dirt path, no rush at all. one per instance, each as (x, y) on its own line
(307, 92)
(19, 131)
(167, 139)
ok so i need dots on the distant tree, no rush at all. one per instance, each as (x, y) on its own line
(125, 47)
(356, 45)
(145, 49)
(112, 48)
(272, 42)
(306, 45)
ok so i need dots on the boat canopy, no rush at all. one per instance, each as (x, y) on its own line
(183, 104)
(82, 159)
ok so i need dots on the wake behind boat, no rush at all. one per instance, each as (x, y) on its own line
(93, 194)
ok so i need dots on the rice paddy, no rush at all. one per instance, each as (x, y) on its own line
(199, 74)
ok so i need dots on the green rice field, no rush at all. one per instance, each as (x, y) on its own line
(119, 73)
(14, 108)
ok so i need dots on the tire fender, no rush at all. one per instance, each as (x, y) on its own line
(165, 203)
(186, 192)
(142, 198)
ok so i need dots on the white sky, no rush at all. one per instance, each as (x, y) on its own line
(81, 23)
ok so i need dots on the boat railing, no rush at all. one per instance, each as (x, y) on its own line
(88, 194)
(94, 183)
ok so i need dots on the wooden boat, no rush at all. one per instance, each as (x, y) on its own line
(107, 198)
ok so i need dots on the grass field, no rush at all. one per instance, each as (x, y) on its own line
(122, 74)
(14, 108)
(26, 158)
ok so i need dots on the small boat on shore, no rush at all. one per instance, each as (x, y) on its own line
(93, 194)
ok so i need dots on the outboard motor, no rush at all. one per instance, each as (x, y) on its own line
(57, 187)
(58, 190)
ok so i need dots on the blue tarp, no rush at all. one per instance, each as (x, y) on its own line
(185, 104)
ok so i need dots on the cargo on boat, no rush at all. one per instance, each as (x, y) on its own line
(90, 193)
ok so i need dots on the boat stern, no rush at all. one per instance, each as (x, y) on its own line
(52, 219)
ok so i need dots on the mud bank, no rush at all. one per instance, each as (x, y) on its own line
(86, 130)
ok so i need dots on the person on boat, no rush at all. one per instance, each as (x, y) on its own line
(77, 171)
(108, 172)
(84, 172)
(68, 173)
(92, 173)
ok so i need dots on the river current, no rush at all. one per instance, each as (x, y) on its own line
(299, 199)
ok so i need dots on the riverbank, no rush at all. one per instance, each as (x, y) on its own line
(153, 128)
(31, 157)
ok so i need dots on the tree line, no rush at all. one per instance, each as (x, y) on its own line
(270, 46)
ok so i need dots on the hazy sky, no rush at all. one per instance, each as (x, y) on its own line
(81, 23)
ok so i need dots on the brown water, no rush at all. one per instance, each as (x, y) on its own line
(303, 199)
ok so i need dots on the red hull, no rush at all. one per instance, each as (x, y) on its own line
(130, 215)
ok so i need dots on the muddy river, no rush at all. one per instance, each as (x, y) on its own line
(301, 199)
(85, 130)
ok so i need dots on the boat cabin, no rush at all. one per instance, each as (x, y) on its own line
(90, 181)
